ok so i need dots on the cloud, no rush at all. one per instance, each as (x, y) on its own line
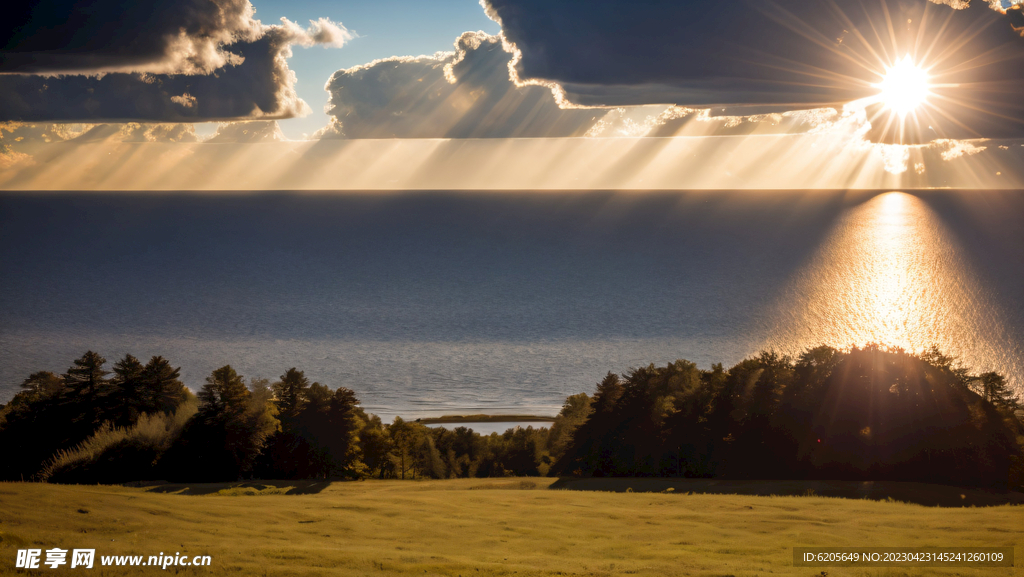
(462, 94)
(135, 132)
(164, 61)
(248, 132)
(18, 133)
(322, 31)
(473, 92)
(953, 149)
(160, 37)
(753, 56)
(28, 135)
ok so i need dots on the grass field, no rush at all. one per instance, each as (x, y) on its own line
(483, 527)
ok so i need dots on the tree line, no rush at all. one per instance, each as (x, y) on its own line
(139, 422)
(870, 413)
(867, 413)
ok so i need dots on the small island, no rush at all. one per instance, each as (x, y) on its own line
(453, 419)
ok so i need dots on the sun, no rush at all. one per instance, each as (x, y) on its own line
(904, 87)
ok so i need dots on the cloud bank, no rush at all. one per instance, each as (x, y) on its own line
(751, 55)
(472, 92)
(163, 61)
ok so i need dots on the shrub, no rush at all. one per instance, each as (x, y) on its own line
(120, 454)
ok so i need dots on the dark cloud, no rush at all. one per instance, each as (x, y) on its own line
(775, 55)
(183, 36)
(166, 61)
(260, 86)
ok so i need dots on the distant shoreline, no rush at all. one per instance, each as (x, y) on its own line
(484, 419)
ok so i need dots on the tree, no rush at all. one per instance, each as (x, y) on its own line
(574, 413)
(375, 447)
(946, 363)
(428, 459)
(996, 391)
(130, 398)
(608, 392)
(42, 384)
(223, 394)
(403, 439)
(318, 398)
(520, 452)
(49, 416)
(229, 432)
(87, 373)
(587, 452)
(163, 390)
(291, 395)
(869, 413)
(342, 443)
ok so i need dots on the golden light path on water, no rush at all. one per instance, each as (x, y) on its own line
(892, 273)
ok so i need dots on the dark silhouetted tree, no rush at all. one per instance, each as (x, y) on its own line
(870, 413)
(224, 394)
(225, 438)
(42, 384)
(290, 392)
(996, 391)
(164, 392)
(87, 373)
(128, 392)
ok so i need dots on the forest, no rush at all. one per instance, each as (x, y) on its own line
(867, 413)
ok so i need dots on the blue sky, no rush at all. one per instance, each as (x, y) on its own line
(385, 28)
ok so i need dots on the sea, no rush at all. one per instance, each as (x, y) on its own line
(430, 303)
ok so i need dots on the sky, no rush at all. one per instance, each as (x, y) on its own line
(228, 94)
(384, 28)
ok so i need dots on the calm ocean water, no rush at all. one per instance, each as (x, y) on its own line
(431, 303)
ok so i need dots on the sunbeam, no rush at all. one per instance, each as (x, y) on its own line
(835, 158)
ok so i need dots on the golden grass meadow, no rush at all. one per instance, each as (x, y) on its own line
(485, 527)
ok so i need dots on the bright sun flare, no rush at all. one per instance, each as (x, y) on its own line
(904, 87)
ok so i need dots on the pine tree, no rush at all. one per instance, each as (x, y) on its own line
(223, 394)
(996, 391)
(87, 373)
(164, 392)
(129, 398)
(291, 394)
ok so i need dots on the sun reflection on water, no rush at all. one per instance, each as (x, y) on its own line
(891, 273)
